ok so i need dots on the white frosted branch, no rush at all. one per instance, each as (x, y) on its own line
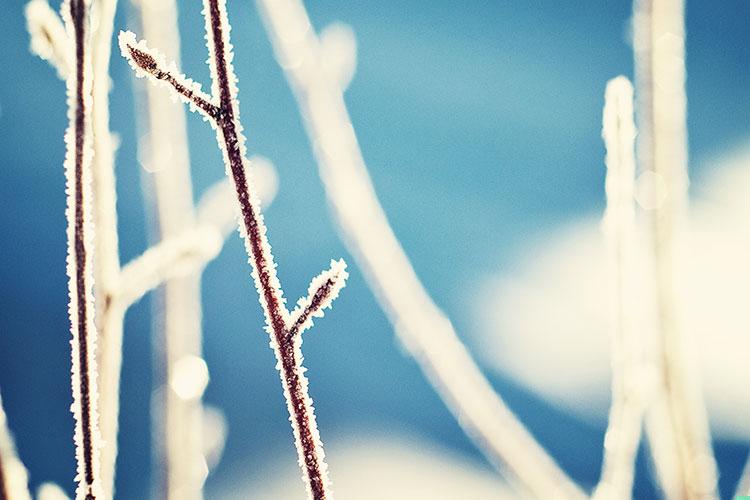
(224, 117)
(79, 139)
(106, 261)
(321, 293)
(48, 38)
(148, 63)
(419, 323)
(14, 480)
(677, 424)
(171, 258)
(177, 314)
(629, 384)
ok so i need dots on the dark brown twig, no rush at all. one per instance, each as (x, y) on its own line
(80, 227)
(224, 117)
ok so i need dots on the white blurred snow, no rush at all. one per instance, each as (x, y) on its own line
(545, 322)
(367, 466)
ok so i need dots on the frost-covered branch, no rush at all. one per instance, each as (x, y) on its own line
(48, 38)
(79, 139)
(148, 62)
(423, 328)
(321, 293)
(224, 117)
(628, 388)
(677, 425)
(14, 480)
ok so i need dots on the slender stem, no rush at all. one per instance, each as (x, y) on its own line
(677, 425)
(287, 350)
(628, 399)
(225, 120)
(177, 311)
(422, 326)
(80, 227)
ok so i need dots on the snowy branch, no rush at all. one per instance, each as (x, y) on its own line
(79, 140)
(224, 117)
(676, 423)
(628, 388)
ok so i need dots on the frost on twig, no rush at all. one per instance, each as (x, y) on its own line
(78, 139)
(422, 327)
(48, 38)
(676, 423)
(13, 476)
(222, 111)
(628, 388)
(321, 293)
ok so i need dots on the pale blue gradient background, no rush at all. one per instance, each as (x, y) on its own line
(480, 122)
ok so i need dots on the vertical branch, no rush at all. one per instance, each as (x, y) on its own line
(80, 246)
(288, 351)
(222, 111)
(178, 314)
(13, 476)
(626, 413)
(110, 313)
(423, 328)
(677, 425)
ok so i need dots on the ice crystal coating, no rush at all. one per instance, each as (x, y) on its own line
(321, 293)
(78, 139)
(221, 109)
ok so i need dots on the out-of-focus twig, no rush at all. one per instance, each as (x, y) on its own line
(676, 425)
(628, 392)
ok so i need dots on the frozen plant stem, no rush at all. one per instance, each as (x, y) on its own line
(116, 287)
(178, 424)
(422, 327)
(79, 140)
(221, 110)
(677, 425)
(626, 413)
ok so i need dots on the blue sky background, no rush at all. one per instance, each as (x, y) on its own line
(480, 123)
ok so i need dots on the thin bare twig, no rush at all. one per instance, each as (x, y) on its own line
(628, 391)
(79, 140)
(423, 328)
(677, 425)
(221, 110)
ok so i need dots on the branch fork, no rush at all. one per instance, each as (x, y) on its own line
(221, 110)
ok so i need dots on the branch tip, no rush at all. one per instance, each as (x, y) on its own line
(321, 293)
